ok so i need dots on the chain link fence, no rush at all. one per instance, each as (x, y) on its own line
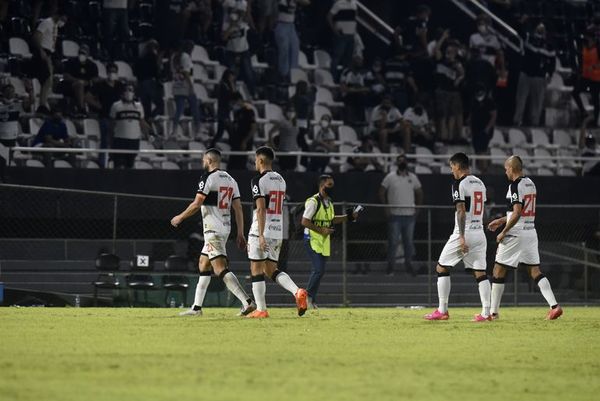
(42, 224)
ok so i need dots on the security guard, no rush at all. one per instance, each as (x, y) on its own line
(318, 220)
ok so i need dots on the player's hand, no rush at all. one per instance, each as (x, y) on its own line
(241, 241)
(262, 243)
(176, 221)
(494, 225)
(463, 245)
(500, 237)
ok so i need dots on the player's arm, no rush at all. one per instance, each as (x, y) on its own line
(514, 218)
(239, 222)
(461, 219)
(189, 211)
(261, 215)
(496, 223)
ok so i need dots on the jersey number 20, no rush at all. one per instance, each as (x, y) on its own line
(528, 205)
(226, 195)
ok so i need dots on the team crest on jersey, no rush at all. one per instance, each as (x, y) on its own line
(255, 189)
(455, 195)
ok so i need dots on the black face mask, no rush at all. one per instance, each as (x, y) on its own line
(329, 191)
(402, 166)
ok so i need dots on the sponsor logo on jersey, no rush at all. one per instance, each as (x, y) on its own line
(273, 227)
(515, 196)
(255, 189)
(201, 185)
(455, 195)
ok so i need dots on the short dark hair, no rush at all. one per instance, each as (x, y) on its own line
(112, 66)
(213, 151)
(461, 159)
(324, 177)
(266, 152)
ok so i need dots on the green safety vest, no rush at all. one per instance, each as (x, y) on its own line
(323, 218)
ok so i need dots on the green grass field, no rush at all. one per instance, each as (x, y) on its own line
(93, 354)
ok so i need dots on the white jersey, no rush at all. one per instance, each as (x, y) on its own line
(220, 190)
(522, 191)
(127, 117)
(270, 186)
(471, 191)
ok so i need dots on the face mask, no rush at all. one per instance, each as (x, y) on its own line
(324, 123)
(480, 97)
(291, 115)
(483, 29)
(60, 24)
(82, 58)
(129, 96)
(234, 17)
(418, 110)
(113, 76)
(329, 191)
(402, 166)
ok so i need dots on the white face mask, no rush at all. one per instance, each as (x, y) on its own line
(291, 115)
(113, 76)
(129, 96)
(483, 29)
(60, 24)
(234, 17)
(82, 58)
(324, 123)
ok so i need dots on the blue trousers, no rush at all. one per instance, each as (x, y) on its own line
(288, 47)
(318, 270)
(397, 226)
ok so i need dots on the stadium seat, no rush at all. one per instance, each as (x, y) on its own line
(539, 137)
(544, 171)
(319, 111)
(522, 153)
(324, 78)
(142, 165)
(34, 125)
(19, 47)
(298, 75)
(70, 49)
(339, 160)
(498, 139)
(322, 59)
(516, 137)
(34, 163)
(61, 164)
(258, 65)
(124, 71)
(201, 75)
(562, 138)
(557, 83)
(420, 169)
(176, 282)
(499, 156)
(200, 55)
(347, 135)
(18, 85)
(325, 97)
(101, 68)
(169, 165)
(91, 128)
(193, 145)
(107, 264)
(90, 164)
(273, 112)
(545, 154)
(139, 279)
(567, 172)
(303, 62)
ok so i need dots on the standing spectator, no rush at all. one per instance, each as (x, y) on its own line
(323, 142)
(80, 75)
(243, 130)
(11, 107)
(388, 127)
(354, 92)
(198, 15)
(182, 69)
(415, 37)
(589, 79)
(288, 138)
(241, 7)
(375, 81)
(342, 21)
(286, 37)
(588, 148)
(235, 34)
(489, 46)
(225, 93)
(361, 164)
(148, 70)
(538, 65)
(419, 125)
(399, 78)
(128, 126)
(449, 74)
(116, 26)
(267, 14)
(303, 101)
(44, 44)
(482, 118)
(479, 72)
(401, 188)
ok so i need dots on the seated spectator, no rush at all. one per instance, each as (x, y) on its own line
(237, 56)
(362, 164)
(242, 132)
(11, 108)
(80, 75)
(128, 127)
(323, 142)
(183, 85)
(287, 138)
(589, 148)
(148, 70)
(421, 132)
(449, 75)
(354, 92)
(482, 116)
(387, 126)
(375, 81)
(53, 134)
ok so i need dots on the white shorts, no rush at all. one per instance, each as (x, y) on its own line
(513, 251)
(258, 255)
(214, 246)
(474, 259)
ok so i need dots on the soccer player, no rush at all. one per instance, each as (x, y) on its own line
(266, 234)
(217, 193)
(518, 241)
(467, 242)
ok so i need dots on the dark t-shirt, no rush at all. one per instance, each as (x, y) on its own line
(146, 68)
(56, 129)
(107, 95)
(85, 71)
(480, 114)
(243, 120)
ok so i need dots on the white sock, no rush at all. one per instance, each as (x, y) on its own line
(443, 286)
(259, 289)
(235, 287)
(284, 280)
(201, 288)
(485, 293)
(497, 291)
(546, 291)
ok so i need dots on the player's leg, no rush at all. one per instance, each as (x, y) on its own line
(259, 288)
(546, 289)
(449, 257)
(498, 283)
(508, 255)
(485, 293)
(202, 286)
(475, 260)
(219, 265)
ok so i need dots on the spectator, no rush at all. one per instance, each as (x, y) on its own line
(361, 164)
(240, 7)
(482, 116)
(589, 79)
(53, 134)
(324, 142)
(415, 38)
(401, 187)
(399, 78)
(588, 148)
(375, 81)
(342, 21)
(287, 138)
(198, 14)
(183, 85)
(303, 101)
(11, 107)
(286, 37)
(128, 127)
(449, 75)
(243, 130)
(354, 92)
(388, 127)
(537, 67)
(148, 70)
(44, 44)
(489, 46)
(80, 75)
(267, 14)
(225, 94)
(479, 72)
(116, 26)
(235, 34)
(419, 125)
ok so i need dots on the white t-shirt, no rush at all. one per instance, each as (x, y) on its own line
(287, 11)
(49, 30)
(522, 191)
(416, 120)
(271, 186)
(121, 4)
(238, 39)
(393, 117)
(310, 209)
(400, 189)
(9, 120)
(127, 116)
(488, 45)
(220, 190)
(344, 16)
(471, 191)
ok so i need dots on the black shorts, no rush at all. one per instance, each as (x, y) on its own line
(38, 68)
(481, 141)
